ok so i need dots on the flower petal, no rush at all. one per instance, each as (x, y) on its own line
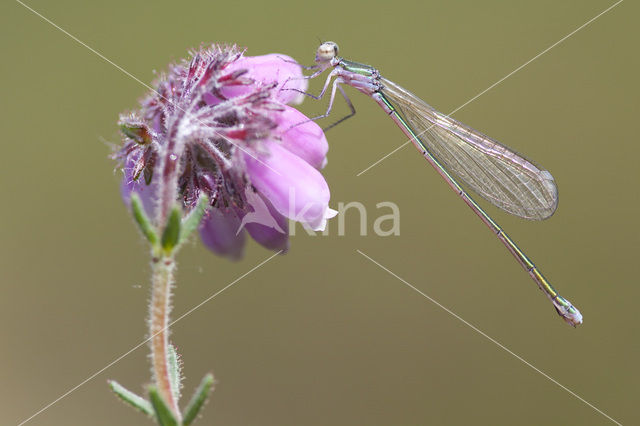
(306, 140)
(270, 229)
(267, 69)
(268, 237)
(145, 192)
(294, 188)
(218, 232)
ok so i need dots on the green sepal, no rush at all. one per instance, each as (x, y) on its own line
(175, 372)
(191, 222)
(131, 398)
(171, 234)
(162, 411)
(140, 134)
(197, 400)
(148, 174)
(148, 230)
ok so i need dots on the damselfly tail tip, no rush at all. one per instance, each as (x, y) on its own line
(567, 311)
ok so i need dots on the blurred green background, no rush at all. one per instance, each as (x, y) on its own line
(321, 335)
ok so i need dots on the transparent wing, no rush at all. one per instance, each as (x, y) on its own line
(498, 174)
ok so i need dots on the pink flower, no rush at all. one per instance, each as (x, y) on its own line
(268, 69)
(218, 233)
(295, 188)
(219, 125)
(306, 140)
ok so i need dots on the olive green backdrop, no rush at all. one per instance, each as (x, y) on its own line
(322, 336)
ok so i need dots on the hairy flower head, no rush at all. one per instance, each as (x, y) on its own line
(220, 125)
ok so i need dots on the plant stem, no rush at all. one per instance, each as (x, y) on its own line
(159, 309)
(168, 187)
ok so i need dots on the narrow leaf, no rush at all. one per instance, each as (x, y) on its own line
(171, 233)
(131, 398)
(175, 372)
(191, 222)
(148, 230)
(197, 400)
(163, 412)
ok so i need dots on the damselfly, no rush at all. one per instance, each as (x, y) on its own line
(457, 152)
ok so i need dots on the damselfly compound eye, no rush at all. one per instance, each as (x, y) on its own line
(326, 52)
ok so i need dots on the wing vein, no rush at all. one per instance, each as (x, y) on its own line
(495, 172)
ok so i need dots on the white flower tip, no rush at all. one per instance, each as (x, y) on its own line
(328, 214)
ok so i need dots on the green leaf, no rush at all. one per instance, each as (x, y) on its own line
(175, 372)
(171, 233)
(198, 399)
(163, 412)
(131, 398)
(148, 230)
(191, 222)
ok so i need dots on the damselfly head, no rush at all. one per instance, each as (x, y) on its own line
(326, 52)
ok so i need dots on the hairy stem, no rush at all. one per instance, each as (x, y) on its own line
(159, 309)
(170, 158)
